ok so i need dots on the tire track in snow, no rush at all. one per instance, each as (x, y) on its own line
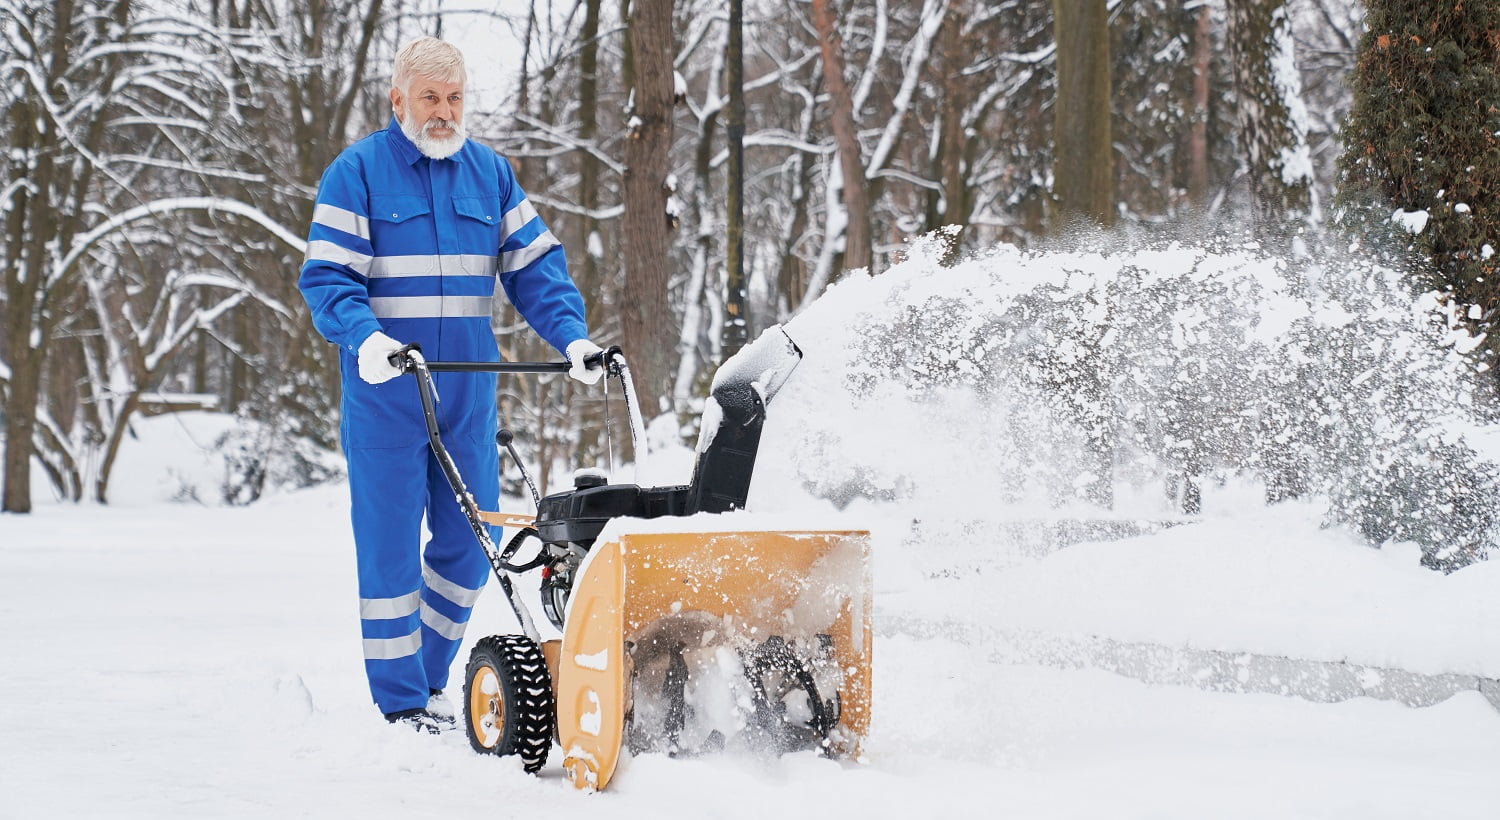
(1207, 669)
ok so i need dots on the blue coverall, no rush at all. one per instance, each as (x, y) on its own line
(411, 246)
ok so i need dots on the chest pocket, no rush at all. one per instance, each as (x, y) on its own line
(398, 208)
(402, 237)
(482, 209)
(479, 231)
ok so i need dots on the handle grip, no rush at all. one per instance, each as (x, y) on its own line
(402, 359)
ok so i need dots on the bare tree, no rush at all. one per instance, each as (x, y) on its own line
(1082, 166)
(736, 320)
(856, 227)
(145, 215)
(648, 324)
(1202, 66)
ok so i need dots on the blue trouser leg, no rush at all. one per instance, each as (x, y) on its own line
(455, 567)
(388, 489)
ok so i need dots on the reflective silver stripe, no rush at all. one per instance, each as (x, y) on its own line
(394, 266)
(372, 609)
(388, 649)
(475, 264)
(324, 251)
(513, 261)
(463, 596)
(441, 624)
(431, 307)
(471, 264)
(342, 220)
(516, 219)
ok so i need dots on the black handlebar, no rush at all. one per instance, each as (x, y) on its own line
(401, 361)
(498, 367)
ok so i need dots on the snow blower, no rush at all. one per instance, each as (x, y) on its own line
(683, 632)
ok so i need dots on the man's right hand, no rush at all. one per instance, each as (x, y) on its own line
(375, 358)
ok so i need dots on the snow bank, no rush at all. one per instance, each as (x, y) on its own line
(213, 459)
(173, 457)
(911, 417)
(1030, 384)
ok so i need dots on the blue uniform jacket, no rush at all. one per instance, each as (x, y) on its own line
(412, 246)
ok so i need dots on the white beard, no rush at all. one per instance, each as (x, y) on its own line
(432, 146)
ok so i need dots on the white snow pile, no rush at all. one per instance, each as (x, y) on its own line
(973, 398)
(212, 458)
(1018, 384)
(1413, 222)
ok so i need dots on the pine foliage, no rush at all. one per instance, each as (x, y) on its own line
(1423, 138)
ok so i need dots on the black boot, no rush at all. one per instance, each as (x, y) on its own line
(418, 719)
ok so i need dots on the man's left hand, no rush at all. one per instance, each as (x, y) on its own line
(576, 353)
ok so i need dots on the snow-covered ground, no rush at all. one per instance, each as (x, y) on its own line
(173, 660)
(170, 660)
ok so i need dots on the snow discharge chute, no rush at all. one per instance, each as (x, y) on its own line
(683, 632)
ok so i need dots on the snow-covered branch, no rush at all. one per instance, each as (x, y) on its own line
(567, 140)
(933, 12)
(164, 207)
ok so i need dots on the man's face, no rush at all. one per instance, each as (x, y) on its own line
(431, 114)
(430, 99)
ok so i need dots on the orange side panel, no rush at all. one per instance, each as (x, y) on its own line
(591, 672)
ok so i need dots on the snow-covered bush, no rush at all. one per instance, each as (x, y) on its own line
(1395, 403)
(257, 457)
(1065, 378)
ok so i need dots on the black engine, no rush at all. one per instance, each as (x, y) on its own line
(569, 522)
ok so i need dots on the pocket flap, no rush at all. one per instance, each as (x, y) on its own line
(486, 209)
(398, 207)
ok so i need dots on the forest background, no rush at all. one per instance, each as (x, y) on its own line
(712, 168)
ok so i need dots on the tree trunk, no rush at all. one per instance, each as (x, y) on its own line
(646, 321)
(736, 317)
(857, 243)
(112, 443)
(952, 145)
(791, 276)
(588, 165)
(700, 299)
(35, 222)
(20, 422)
(523, 96)
(1082, 173)
(588, 245)
(1272, 134)
(1198, 139)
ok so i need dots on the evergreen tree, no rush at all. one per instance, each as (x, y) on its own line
(1271, 115)
(1424, 138)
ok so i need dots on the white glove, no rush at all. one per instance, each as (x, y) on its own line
(576, 353)
(375, 358)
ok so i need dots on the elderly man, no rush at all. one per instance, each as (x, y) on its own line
(412, 226)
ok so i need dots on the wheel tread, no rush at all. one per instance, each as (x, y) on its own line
(527, 691)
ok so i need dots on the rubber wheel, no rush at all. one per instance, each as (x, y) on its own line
(508, 707)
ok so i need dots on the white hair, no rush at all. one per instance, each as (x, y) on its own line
(428, 57)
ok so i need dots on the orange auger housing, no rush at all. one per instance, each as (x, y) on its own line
(688, 627)
(710, 603)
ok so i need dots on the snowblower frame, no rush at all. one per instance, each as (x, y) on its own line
(635, 608)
